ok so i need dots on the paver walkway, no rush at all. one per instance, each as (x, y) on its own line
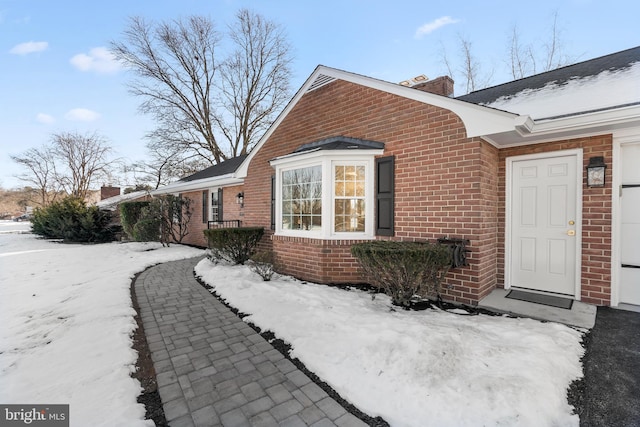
(215, 370)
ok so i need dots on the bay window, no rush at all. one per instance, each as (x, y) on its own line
(325, 194)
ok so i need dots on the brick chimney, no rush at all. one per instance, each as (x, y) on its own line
(108, 191)
(442, 85)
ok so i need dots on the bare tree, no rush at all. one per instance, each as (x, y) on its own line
(196, 95)
(524, 59)
(254, 80)
(165, 163)
(40, 171)
(80, 160)
(521, 58)
(471, 67)
(555, 57)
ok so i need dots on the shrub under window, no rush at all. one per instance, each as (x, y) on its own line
(233, 244)
(404, 269)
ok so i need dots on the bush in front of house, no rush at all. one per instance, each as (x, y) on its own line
(130, 213)
(164, 219)
(146, 230)
(235, 245)
(403, 269)
(263, 263)
(73, 221)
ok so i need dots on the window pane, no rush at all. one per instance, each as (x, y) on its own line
(349, 195)
(302, 198)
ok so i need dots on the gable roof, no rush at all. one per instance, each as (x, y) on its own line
(478, 120)
(515, 113)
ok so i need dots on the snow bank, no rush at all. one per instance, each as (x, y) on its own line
(66, 319)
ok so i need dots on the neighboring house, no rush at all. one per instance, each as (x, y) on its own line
(112, 203)
(353, 158)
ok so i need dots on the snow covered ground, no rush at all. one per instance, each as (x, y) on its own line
(65, 324)
(428, 368)
(66, 320)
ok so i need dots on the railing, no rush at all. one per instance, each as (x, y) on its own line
(230, 223)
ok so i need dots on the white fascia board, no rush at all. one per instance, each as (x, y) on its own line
(528, 131)
(620, 117)
(478, 120)
(200, 184)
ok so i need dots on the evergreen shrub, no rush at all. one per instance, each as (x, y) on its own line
(403, 270)
(73, 221)
(130, 213)
(235, 245)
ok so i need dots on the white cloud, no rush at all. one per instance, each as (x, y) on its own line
(29, 47)
(45, 118)
(99, 60)
(81, 115)
(430, 27)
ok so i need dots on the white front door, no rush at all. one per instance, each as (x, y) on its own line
(544, 223)
(630, 226)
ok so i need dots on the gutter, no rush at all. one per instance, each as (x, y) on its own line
(200, 184)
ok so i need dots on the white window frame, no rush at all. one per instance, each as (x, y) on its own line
(327, 159)
(213, 191)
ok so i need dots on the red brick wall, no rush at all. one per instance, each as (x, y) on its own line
(596, 216)
(195, 236)
(445, 184)
(231, 211)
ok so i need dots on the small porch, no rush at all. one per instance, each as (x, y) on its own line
(579, 314)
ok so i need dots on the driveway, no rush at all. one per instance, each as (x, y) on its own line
(611, 395)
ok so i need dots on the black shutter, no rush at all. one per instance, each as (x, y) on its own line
(273, 202)
(385, 171)
(220, 205)
(205, 206)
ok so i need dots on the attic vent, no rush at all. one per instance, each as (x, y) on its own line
(320, 81)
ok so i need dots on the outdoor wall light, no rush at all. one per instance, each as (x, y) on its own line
(596, 172)
(240, 199)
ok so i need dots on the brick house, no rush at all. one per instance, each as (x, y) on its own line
(353, 158)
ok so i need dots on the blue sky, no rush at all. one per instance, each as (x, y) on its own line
(56, 77)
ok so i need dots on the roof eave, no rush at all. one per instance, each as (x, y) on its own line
(181, 187)
(527, 131)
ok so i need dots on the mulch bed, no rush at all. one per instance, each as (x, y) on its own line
(145, 372)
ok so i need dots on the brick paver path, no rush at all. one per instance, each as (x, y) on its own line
(213, 369)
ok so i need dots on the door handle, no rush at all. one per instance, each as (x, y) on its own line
(571, 232)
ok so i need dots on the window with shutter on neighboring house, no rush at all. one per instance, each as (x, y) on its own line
(385, 171)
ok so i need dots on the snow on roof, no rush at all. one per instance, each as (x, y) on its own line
(606, 90)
